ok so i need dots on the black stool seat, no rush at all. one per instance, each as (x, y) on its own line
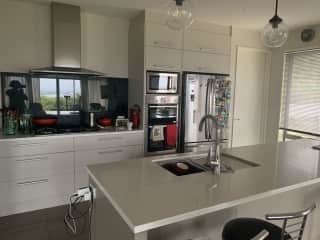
(248, 228)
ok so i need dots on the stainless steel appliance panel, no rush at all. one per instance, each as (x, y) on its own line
(162, 114)
(204, 94)
(162, 83)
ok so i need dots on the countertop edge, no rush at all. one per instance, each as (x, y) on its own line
(66, 135)
(196, 213)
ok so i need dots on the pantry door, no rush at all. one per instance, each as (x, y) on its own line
(251, 96)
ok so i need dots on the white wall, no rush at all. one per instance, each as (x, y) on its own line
(25, 39)
(293, 43)
(241, 38)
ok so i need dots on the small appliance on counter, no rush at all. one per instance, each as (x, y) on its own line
(161, 124)
(121, 123)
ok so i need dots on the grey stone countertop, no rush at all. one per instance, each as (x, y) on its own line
(147, 196)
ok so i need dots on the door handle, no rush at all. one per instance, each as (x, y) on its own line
(236, 119)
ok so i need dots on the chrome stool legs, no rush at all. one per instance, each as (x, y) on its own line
(293, 226)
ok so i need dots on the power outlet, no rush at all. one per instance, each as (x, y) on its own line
(86, 193)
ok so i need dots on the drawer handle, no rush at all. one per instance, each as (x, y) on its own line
(112, 151)
(33, 182)
(31, 144)
(110, 139)
(32, 159)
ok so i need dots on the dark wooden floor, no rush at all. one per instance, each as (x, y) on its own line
(45, 224)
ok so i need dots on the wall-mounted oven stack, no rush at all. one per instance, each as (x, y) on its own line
(162, 113)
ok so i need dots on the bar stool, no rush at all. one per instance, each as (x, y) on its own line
(256, 229)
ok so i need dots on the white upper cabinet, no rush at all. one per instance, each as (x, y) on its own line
(207, 48)
(206, 62)
(159, 35)
(163, 59)
(195, 40)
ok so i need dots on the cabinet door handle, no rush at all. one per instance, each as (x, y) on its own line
(111, 151)
(110, 139)
(33, 182)
(162, 66)
(162, 43)
(202, 68)
(207, 49)
(236, 119)
(32, 159)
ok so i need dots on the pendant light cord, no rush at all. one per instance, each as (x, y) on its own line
(276, 12)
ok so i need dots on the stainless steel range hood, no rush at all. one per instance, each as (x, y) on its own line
(66, 40)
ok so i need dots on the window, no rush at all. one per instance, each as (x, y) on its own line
(60, 96)
(70, 96)
(48, 95)
(300, 108)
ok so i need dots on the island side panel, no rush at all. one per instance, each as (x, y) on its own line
(107, 224)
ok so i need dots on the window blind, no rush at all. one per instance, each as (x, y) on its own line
(300, 108)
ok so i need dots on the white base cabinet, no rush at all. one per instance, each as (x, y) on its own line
(35, 193)
(105, 155)
(37, 173)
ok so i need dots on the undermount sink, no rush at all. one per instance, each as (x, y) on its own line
(229, 164)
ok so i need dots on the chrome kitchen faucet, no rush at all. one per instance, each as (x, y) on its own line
(213, 158)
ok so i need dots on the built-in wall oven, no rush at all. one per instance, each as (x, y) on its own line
(162, 82)
(161, 124)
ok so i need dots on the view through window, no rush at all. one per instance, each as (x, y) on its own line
(60, 96)
(300, 108)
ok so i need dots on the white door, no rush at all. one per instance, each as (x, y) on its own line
(251, 96)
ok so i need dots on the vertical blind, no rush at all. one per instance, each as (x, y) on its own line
(300, 108)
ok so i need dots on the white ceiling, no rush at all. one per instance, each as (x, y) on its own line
(252, 14)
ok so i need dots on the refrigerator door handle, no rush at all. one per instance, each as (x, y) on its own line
(206, 109)
(209, 103)
(194, 117)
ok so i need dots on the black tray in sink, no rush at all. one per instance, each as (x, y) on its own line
(172, 167)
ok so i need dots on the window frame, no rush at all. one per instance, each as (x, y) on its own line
(58, 78)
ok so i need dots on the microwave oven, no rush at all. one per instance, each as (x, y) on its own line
(162, 82)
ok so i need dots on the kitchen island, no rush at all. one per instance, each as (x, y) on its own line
(138, 199)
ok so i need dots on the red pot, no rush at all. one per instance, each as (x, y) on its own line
(44, 121)
(105, 122)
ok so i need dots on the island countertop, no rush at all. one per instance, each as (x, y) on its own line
(147, 196)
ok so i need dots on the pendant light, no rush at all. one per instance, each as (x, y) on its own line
(179, 15)
(275, 33)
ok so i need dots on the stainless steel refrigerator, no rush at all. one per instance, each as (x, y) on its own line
(203, 94)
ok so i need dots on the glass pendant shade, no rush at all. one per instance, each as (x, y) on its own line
(179, 15)
(275, 33)
(275, 36)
